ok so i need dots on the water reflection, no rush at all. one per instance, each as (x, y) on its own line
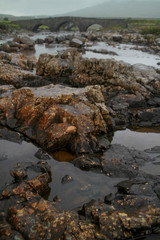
(84, 187)
(126, 53)
(140, 138)
(63, 156)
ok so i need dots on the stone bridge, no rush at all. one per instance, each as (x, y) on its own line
(55, 23)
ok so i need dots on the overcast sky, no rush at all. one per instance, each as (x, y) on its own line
(53, 7)
(43, 7)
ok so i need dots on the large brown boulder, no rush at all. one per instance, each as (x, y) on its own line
(57, 116)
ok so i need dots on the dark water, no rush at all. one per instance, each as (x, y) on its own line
(142, 139)
(84, 187)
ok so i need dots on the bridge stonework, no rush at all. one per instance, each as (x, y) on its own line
(82, 23)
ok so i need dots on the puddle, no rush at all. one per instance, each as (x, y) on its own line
(141, 139)
(125, 53)
(63, 156)
(151, 168)
(40, 49)
(84, 187)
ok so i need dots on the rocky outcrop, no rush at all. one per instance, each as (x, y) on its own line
(16, 69)
(57, 116)
(131, 91)
(25, 42)
(18, 44)
(110, 73)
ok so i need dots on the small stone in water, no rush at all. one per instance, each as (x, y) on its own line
(66, 179)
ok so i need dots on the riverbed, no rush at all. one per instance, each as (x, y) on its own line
(88, 183)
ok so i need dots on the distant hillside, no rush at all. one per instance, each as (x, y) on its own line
(10, 17)
(14, 18)
(121, 9)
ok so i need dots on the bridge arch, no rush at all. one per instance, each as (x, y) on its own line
(94, 27)
(68, 25)
(37, 26)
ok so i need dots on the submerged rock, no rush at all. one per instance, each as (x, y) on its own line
(66, 179)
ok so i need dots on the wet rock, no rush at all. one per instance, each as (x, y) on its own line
(19, 173)
(122, 107)
(10, 135)
(122, 161)
(115, 168)
(49, 39)
(40, 154)
(112, 75)
(76, 43)
(117, 38)
(39, 41)
(57, 116)
(134, 211)
(108, 198)
(87, 162)
(3, 156)
(25, 63)
(56, 199)
(62, 38)
(9, 47)
(148, 117)
(6, 90)
(16, 69)
(54, 67)
(66, 179)
(18, 44)
(158, 41)
(103, 51)
(25, 42)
